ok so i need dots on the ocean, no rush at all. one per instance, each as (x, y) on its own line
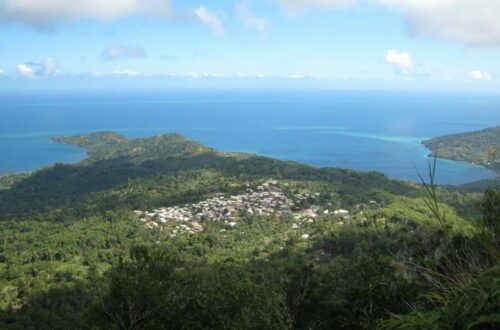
(369, 131)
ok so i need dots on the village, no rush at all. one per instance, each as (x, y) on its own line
(264, 200)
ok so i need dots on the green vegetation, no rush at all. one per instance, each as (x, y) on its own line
(9, 179)
(73, 255)
(481, 147)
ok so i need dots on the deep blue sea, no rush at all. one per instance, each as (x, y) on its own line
(378, 131)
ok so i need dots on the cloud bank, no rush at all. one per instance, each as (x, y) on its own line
(47, 13)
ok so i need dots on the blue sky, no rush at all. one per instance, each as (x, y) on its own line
(350, 44)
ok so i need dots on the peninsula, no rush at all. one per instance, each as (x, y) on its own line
(478, 147)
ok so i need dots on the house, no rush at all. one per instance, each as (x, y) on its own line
(315, 208)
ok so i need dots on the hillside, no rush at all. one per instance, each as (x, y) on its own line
(479, 147)
(165, 233)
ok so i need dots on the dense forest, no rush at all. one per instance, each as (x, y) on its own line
(74, 255)
(480, 147)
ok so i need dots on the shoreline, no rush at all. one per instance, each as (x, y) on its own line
(428, 155)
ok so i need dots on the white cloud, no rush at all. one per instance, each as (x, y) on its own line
(211, 19)
(47, 68)
(1, 72)
(480, 75)
(118, 52)
(46, 13)
(296, 6)
(250, 76)
(26, 71)
(132, 74)
(400, 61)
(127, 73)
(249, 18)
(470, 22)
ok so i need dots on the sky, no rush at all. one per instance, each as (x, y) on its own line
(344, 44)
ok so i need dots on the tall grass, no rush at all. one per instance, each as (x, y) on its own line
(431, 197)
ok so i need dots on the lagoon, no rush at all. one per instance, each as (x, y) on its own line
(371, 131)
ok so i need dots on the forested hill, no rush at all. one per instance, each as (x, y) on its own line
(110, 145)
(480, 147)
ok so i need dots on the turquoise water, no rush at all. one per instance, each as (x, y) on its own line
(360, 130)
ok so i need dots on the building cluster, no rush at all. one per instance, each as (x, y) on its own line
(264, 200)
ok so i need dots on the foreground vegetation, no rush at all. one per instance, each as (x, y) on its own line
(74, 255)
